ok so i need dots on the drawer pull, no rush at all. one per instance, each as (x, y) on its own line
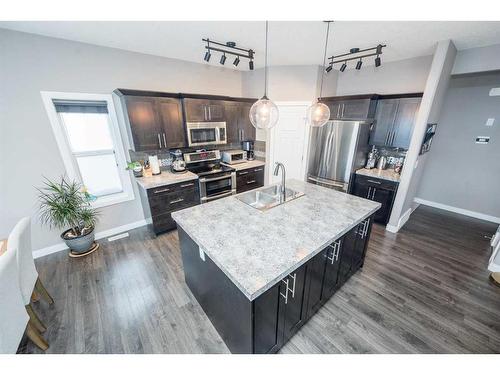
(186, 185)
(246, 172)
(177, 201)
(251, 182)
(258, 169)
(161, 191)
(374, 182)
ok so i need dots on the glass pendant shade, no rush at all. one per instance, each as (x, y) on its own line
(318, 114)
(264, 114)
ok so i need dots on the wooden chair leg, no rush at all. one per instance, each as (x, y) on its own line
(34, 319)
(43, 292)
(35, 337)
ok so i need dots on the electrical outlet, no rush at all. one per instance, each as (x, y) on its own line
(202, 254)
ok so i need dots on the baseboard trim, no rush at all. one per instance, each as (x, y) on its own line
(402, 221)
(457, 210)
(99, 235)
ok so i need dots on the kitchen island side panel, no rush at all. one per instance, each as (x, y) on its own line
(229, 310)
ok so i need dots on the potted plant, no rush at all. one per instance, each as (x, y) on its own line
(66, 205)
(136, 167)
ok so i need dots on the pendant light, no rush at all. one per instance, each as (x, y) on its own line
(318, 114)
(264, 113)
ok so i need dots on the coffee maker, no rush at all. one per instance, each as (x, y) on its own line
(248, 147)
(178, 164)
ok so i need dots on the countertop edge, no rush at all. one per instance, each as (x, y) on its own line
(152, 186)
(266, 287)
(364, 172)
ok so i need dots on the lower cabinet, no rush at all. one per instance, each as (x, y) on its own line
(378, 190)
(283, 309)
(249, 179)
(159, 203)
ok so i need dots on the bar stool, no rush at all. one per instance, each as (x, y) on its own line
(20, 243)
(14, 320)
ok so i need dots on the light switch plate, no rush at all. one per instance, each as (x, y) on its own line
(490, 122)
(202, 254)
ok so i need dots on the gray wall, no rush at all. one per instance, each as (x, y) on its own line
(395, 77)
(475, 60)
(30, 64)
(459, 172)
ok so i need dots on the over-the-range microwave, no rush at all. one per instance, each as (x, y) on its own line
(206, 133)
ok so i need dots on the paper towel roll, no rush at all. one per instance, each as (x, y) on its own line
(154, 164)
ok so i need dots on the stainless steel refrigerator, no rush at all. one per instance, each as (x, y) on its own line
(336, 151)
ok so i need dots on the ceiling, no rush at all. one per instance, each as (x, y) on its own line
(290, 42)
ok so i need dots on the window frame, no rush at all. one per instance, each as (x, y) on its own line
(68, 157)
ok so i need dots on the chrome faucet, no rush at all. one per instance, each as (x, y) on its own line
(282, 187)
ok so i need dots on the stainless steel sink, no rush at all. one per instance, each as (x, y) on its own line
(268, 197)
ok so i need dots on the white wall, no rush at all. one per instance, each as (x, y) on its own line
(30, 64)
(434, 92)
(460, 173)
(474, 60)
(396, 77)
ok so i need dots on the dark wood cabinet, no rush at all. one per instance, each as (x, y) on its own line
(237, 117)
(378, 190)
(203, 110)
(294, 314)
(394, 121)
(268, 330)
(331, 279)
(249, 179)
(316, 274)
(159, 203)
(154, 122)
(357, 107)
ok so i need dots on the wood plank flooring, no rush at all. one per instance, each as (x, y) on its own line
(423, 290)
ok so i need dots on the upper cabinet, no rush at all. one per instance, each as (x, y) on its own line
(356, 107)
(203, 110)
(155, 122)
(237, 117)
(394, 121)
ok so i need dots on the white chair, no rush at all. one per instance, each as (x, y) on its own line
(14, 319)
(19, 242)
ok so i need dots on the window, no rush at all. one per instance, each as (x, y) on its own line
(88, 136)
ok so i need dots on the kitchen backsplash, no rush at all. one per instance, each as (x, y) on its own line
(165, 158)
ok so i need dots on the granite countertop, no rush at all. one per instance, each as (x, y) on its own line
(256, 249)
(385, 174)
(247, 164)
(164, 178)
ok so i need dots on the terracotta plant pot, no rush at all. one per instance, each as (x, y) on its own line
(79, 244)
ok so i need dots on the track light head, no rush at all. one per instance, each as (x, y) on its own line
(379, 49)
(377, 61)
(329, 68)
(223, 59)
(358, 64)
(344, 65)
(207, 56)
(236, 61)
(250, 64)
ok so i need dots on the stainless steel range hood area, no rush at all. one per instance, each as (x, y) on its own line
(337, 149)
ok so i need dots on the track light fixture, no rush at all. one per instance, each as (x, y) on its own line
(358, 54)
(230, 49)
(329, 68)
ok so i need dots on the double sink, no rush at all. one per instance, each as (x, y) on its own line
(268, 197)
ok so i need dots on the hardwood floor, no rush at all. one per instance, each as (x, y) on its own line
(423, 290)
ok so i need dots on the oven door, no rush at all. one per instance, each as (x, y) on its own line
(212, 188)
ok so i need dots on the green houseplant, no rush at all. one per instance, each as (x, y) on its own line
(66, 205)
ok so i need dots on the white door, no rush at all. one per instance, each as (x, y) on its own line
(288, 143)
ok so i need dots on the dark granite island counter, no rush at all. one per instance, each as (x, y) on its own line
(259, 275)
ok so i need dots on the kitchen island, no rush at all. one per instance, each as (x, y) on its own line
(259, 275)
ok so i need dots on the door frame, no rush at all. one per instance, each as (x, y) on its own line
(271, 137)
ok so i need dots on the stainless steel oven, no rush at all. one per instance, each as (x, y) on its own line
(217, 186)
(206, 133)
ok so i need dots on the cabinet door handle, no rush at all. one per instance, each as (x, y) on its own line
(285, 296)
(374, 182)
(373, 193)
(338, 111)
(209, 113)
(335, 252)
(242, 134)
(186, 185)
(387, 136)
(294, 277)
(160, 191)
(343, 107)
(393, 136)
(258, 169)
(250, 182)
(369, 192)
(164, 140)
(242, 173)
(159, 139)
(176, 201)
